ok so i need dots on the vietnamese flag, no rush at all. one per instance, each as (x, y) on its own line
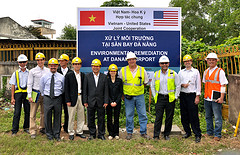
(92, 18)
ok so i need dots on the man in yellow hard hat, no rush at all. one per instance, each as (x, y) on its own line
(189, 98)
(215, 82)
(95, 98)
(165, 88)
(134, 78)
(63, 69)
(52, 87)
(19, 93)
(73, 98)
(33, 86)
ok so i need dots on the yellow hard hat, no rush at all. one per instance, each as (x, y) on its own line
(113, 67)
(96, 62)
(53, 61)
(187, 57)
(64, 57)
(39, 56)
(76, 60)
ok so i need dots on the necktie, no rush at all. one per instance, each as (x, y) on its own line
(52, 87)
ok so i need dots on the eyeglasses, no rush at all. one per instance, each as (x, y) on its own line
(22, 62)
(164, 63)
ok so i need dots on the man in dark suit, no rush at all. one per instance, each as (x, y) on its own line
(95, 98)
(63, 69)
(73, 98)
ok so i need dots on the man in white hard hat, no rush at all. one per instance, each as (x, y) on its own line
(189, 98)
(215, 82)
(165, 88)
(134, 78)
(19, 93)
(33, 85)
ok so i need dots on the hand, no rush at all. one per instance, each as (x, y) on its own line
(30, 100)
(68, 104)
(219, 100)
(105, 105)
(197, 100)
(185, 85)
(86, 105)
(12, 101)
(113, 104)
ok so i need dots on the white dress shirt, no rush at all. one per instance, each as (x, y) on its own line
(191, 77)
(163, 84)
(64, 71)
(34, 79)
(134, 74)
(78, 77)
(96, 77)
(222, 78)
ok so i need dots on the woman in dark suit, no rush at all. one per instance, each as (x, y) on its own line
(115, 93)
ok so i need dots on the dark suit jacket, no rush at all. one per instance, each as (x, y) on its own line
(115, 90)
(95, 95)
(71, 87)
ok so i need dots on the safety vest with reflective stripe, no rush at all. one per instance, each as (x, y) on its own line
(133, 86)
(212, 82)
(170, 85)
(19, 89)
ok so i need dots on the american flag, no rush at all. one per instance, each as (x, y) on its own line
(165, 18)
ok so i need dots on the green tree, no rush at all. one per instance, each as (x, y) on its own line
(117, 3)
(68, 33)
(35, 31)
(213, 20)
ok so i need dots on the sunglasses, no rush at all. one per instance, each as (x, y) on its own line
(76, 64)
(164, 63)
(22, 62)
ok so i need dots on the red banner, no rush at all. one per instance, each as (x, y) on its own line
(92, 18)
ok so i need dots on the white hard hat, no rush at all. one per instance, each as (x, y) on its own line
(22, 57)
(163, 59)
(211, 55)
(130, 55)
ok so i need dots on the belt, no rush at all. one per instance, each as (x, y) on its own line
(163, 95)
(52, 97)
(79, 94)
(36, 90)
(190, 93)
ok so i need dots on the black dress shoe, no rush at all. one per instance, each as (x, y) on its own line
(91, 138)
(50, 138)
(186, 135)
(102, 138)
(71, 137)
(26, 130)
(166, 137)
(198, 139)
(43, 131)
(58, 139)
(81, 135)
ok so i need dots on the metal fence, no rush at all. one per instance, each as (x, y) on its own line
(10, 49)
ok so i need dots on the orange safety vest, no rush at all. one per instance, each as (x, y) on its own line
(212, 82)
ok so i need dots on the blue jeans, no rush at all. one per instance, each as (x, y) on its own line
(213, 109)
(139, 102)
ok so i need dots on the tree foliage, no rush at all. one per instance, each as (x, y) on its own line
(35, 31)
(117, 3)
(68, 33)
(213, 20)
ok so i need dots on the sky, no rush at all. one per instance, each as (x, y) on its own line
(60, 12)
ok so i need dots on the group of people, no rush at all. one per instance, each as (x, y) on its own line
(57, 86)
